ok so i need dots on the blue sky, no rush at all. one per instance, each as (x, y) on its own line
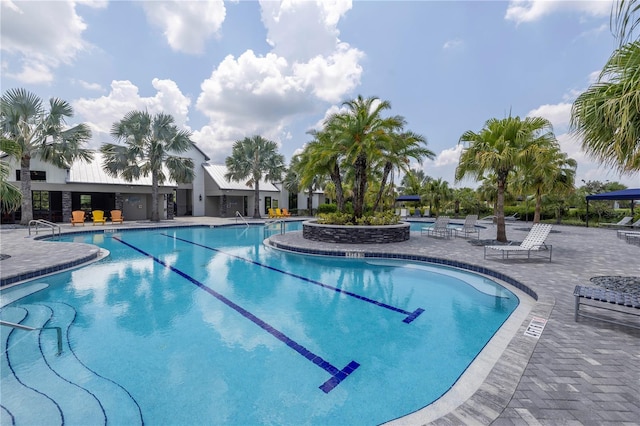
(227, 70)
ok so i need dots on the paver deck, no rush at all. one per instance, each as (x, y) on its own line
(585, 372)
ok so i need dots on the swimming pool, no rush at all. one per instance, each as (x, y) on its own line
(201, 325)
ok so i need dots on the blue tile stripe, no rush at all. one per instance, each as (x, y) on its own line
(410, 315)
(337, 376)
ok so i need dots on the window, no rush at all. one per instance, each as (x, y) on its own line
(35, 175)
(85, 202)
(40, 200)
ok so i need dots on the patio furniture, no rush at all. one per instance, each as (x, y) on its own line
(440, 228)
(469, 226)
(116, 216)
(98, 217)
(634, 225)
(77, 216)
(611, 299)
(623, 222)
(532, 246)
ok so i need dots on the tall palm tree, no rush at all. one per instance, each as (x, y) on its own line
(362, 131)
(396, 152)
(324, 155)
(253, 159)
(149, 142)
(439, 193)
(607, 115)
(499, 148)
(40, 133)
(10, 196)
(549, 171)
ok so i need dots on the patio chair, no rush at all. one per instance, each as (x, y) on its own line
(440, 228)
(285, 213)
(512, 217)
(116, 216)
(469, 226)
(623, 222)
(272, 213)
(634, 225)
(77, 216)
(98, 217)
(532, 246)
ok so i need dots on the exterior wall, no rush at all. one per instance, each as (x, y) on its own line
(198, 185)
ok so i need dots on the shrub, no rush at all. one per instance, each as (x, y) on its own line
(327, 208)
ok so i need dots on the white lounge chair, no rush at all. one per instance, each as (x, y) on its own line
(469, 226)
(634, 225)
(624, 222)
(532, 246)
(440, 228)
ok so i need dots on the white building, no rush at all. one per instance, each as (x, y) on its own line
(85, 186)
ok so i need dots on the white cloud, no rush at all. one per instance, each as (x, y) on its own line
(89, 86)
(186, 24)
(533, 10)
(449, 156)
(262, 94)
(100, 113)
(558, 114)
(452, 44)
(300, 29)
(41, 36)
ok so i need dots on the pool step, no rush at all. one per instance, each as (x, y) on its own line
(71, 392)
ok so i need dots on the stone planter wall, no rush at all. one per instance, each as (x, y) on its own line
(311, 230)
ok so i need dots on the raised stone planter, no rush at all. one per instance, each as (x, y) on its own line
(311, 230)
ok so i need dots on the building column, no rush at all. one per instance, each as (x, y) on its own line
(170, 206)
(119, 202)
(66, 206)
(223, 206)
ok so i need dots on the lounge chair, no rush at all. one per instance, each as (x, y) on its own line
(77, 216)
(285, 213)
(634, 225)
(116, 216)
(439, 229)
(532, 246)
(469, 226)
(623, 222)
(98, 217)
(279, 213)
(512, 217)
(272, 213)
(416, 212)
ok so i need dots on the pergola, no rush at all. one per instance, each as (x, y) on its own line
(624, 194)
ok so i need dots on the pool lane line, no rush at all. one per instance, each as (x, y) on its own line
(337, 376)
(410, 315)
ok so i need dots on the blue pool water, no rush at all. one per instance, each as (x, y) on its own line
(208, 326)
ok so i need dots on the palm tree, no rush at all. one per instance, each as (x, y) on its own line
(323, 157)
(549, 171)
(149, 142)
(253, 159)
(10, 196)
(607, 116)
(396, 153)
(40, 133)
(438, 193)
(499, 148)
(625, 17)
(362, 132)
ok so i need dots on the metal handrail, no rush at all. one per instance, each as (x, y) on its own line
(241, 217)
(45, 223)
(268, 226)
(27, 328)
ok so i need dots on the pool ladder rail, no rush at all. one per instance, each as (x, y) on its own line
(27, 328)
(46, 224)
(239, 215)
(278, 225)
